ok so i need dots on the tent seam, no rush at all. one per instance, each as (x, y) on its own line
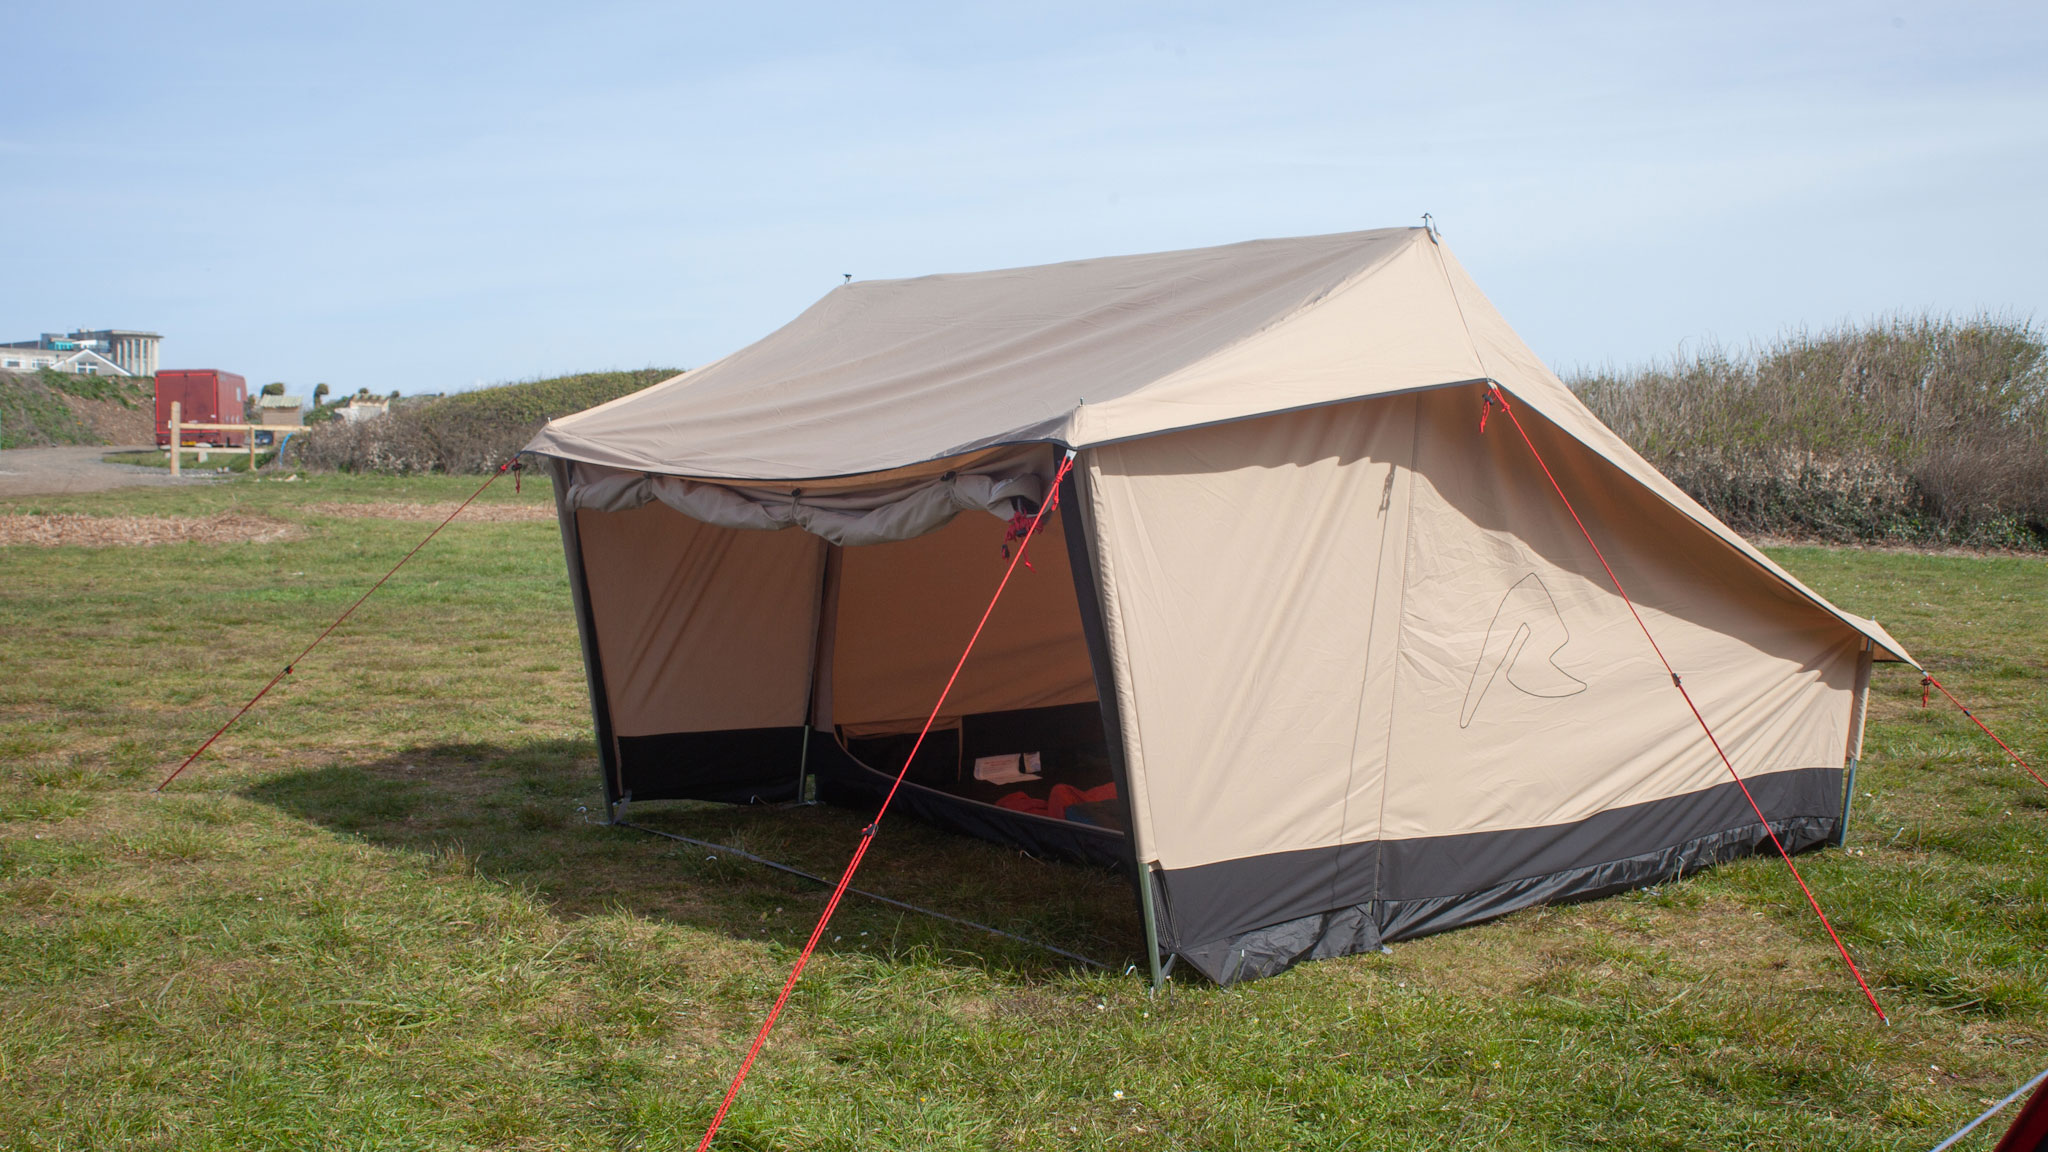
(1114, 638)
(1364, 678)
(1400, 631)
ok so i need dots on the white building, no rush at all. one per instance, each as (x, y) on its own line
(361, 408)
(79, 361)
(88, 352)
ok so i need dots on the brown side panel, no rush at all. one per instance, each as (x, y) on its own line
(705, 638)
(906, 611)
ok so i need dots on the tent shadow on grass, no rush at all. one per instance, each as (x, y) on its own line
(527, 815)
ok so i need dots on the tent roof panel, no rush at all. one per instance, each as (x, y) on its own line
(880, 374)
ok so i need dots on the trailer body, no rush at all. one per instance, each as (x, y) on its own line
(204, 396)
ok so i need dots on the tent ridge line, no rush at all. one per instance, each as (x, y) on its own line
(1080, 260)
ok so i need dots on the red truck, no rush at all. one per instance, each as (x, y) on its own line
(204, 396)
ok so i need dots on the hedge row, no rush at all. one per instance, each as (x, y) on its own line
(1923, 429)
(471, 432)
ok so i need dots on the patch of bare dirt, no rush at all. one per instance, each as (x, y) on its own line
(54, 530)
(111, 422)
(394, 510)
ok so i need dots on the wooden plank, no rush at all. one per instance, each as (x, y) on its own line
(179, 427)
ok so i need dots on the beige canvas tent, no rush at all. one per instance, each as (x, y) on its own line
(1315, 659)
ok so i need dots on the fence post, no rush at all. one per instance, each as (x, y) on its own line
(177, 409)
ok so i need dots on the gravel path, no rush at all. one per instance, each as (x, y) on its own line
(62, 471)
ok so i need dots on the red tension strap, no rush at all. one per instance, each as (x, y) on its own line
(867, 835)
(1019, 530)
(287, 669)
(1925, 680)
(1494, 395)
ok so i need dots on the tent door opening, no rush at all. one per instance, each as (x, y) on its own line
(1019, 755)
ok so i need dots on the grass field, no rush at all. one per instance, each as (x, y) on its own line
(378, 914)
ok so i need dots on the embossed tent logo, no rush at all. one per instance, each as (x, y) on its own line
(1522, 643)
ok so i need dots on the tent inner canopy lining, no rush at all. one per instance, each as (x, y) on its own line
(851, 511)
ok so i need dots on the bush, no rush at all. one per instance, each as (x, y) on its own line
(471, 432)
(1916, 429)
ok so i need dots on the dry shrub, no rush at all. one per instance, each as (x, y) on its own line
(403, 442)
(1920, 429)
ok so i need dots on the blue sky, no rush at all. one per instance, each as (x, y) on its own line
(425, 197)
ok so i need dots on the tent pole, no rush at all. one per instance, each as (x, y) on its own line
(1088, 595)
(1858, 710)
(609, 766)
(803, 763)
(1151, 927)
(824, 620)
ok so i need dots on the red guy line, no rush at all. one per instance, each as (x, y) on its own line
(867, 836)
(1987, 731)
(287, 669)
(1496, 396)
